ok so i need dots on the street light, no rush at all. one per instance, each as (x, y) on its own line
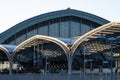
(111, 40)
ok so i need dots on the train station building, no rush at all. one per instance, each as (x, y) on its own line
(66, 41)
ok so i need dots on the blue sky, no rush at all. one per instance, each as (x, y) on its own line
(14, 11)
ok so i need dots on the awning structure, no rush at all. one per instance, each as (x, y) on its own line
(9, 48)
(93, 44)
(41, 51)
(88, 40)
(6, 50)
(68, 41)
(40, 39)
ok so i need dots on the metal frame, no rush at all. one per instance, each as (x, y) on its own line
(89, 35)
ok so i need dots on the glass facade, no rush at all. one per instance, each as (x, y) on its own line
(75, 29)
(65, 27)
(43, 30)
(54, 30)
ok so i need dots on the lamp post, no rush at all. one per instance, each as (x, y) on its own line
(111, 40)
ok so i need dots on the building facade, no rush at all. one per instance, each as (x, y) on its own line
(58, 41)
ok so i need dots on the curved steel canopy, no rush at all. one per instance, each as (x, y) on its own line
(5, 51)
(41, 37)
(109, 28)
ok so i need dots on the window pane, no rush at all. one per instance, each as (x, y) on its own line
(54, 30)
(43, 30)
(31, 33)
(84, 28)
(75, 29)
(20, 39)
(64, 29)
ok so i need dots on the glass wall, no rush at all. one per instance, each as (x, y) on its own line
(75, 29)
(43, 30)
(54, 30)
(65, 27)
(31, 33)
(84, 28)
(19, 39)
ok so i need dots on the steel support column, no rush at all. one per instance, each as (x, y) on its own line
(69, 62)
(10, 65)
(111, 60)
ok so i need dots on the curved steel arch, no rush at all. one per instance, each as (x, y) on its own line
(47, 38)
(5, 51)
(48, 16)
(93, 32)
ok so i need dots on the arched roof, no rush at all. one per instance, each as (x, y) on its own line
(109, 28)
(56, 14)
(9, 48)
(7, 53)
(68, 41)
(43, 38)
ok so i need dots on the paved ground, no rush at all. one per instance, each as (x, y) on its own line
(60, 77)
